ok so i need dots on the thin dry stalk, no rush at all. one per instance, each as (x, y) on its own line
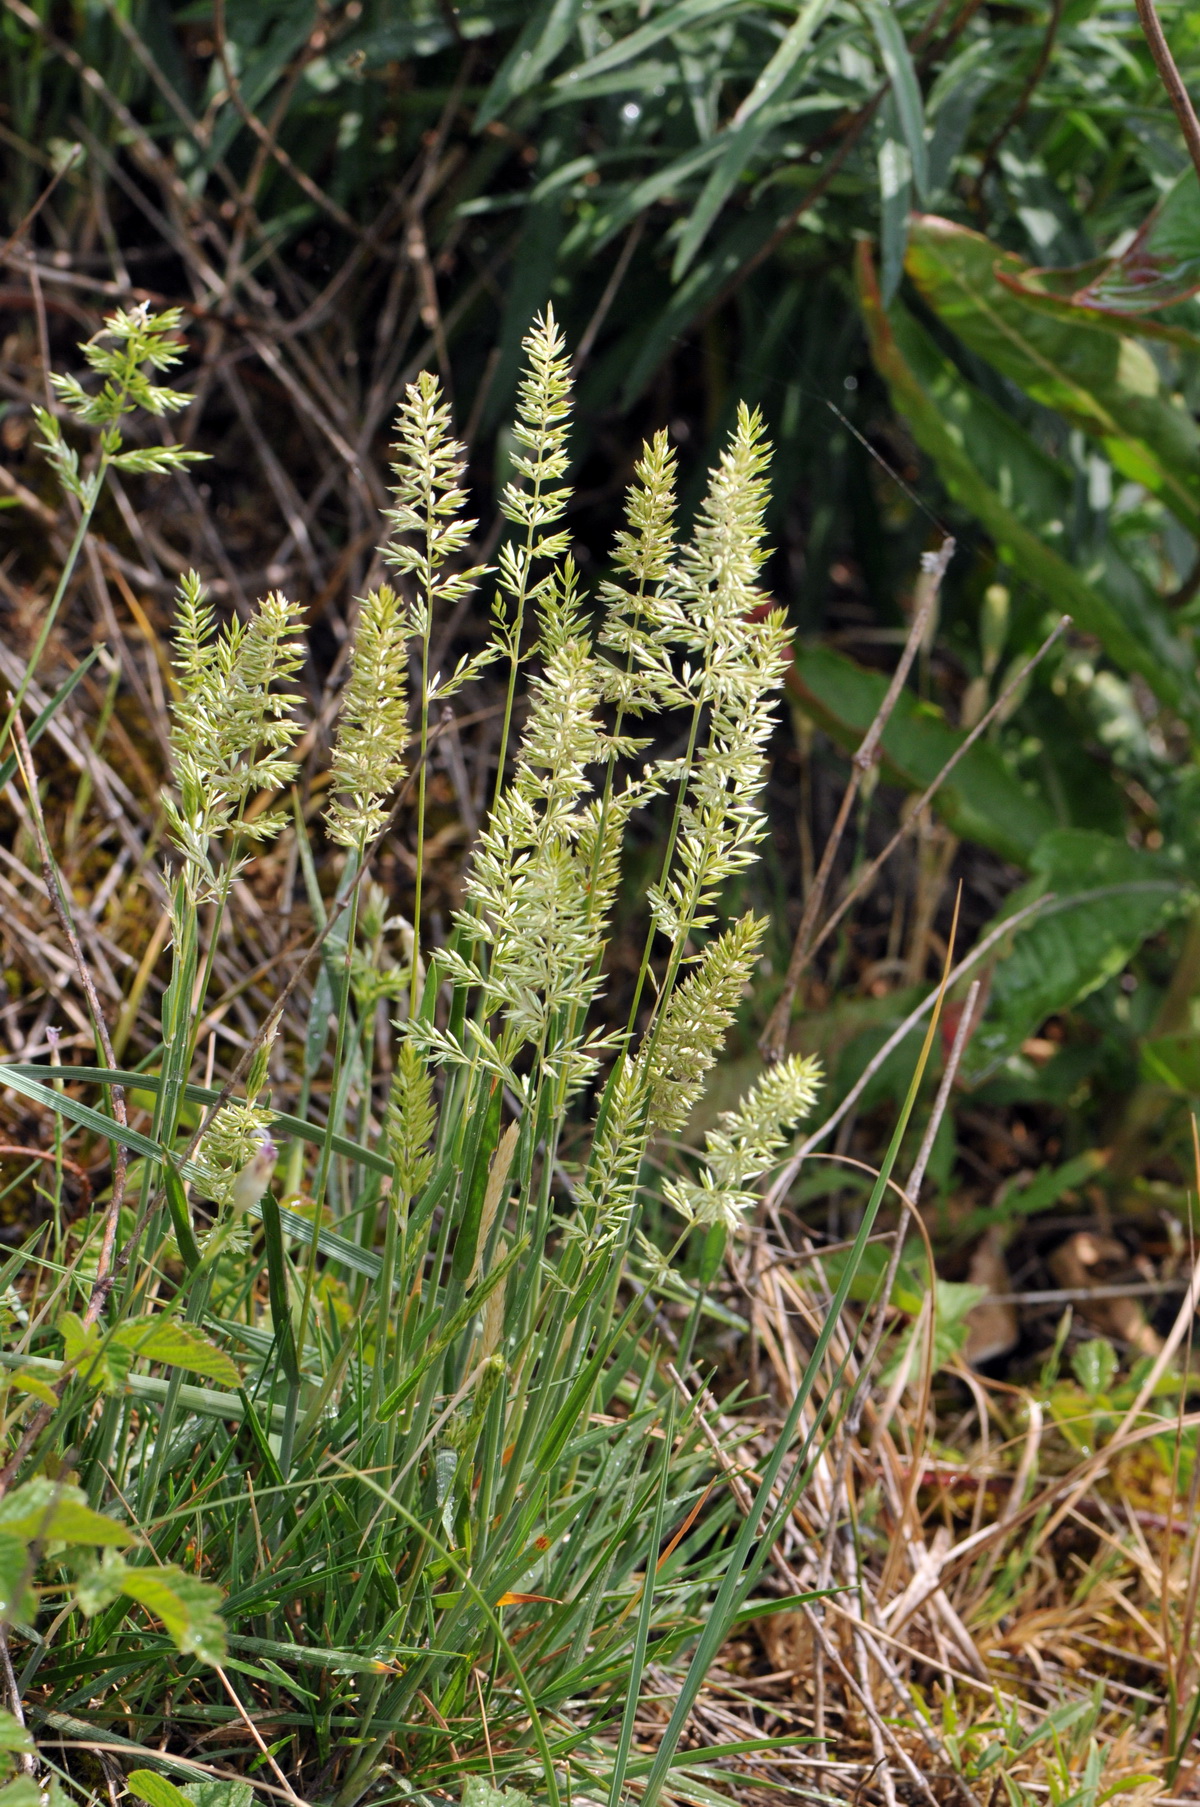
(1172, 81)
(994, 713)
(933, 569)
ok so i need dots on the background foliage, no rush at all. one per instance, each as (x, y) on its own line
(863, 219)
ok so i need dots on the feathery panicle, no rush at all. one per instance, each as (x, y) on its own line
(645, 552)
(236, 1156)
(536, 499)
(607, 1193)
(411, 1120)
(692, 1028)
(747, 1141)
(427, 523)
(232, 724)
(540, 431)
(530, 884)
(734, 672)
(368, 755)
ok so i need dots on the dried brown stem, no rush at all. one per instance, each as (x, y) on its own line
(105, 1270)
(267, 138)
(867, 878)
(933, 569)
(788, 1173)
(1172, 81)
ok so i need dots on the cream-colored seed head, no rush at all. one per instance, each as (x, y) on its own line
(254, 1178)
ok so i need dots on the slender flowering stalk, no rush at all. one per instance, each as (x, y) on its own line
(428, 533)
(536, 500)
(119, 355)
(747, 1141)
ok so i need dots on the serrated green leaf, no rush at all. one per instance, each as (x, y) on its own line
(187, 1607)
(99, 1363)
(478, 1792)
(218, 1794)
(163, 1339)
(51, 1511)
(99, 1583)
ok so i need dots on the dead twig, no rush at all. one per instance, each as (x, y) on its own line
(933, 569)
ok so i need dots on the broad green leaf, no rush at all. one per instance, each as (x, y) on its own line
(981, 799)
(154, 1789)
(16, 1598)
(99, 1363)
(1043, 1191)
(1106, 384)
(953, 1302)
(26, 1382)
(1021, 496)
(1108, 898)
(22, 1791)
(163, 1339)
(1094, 1365)
(50, 1511)
(906, 90)
(187, 1606)
(99, 1582)
(1159, 267)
